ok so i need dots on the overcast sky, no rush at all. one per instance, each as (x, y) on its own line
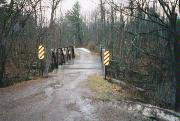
(86, 5)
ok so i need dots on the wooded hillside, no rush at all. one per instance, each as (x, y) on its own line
(141, 35)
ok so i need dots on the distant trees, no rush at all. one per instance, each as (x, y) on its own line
(54, 5)
(75, 20)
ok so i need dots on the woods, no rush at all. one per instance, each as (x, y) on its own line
(12, 24)
(23, 27)
(142, 36)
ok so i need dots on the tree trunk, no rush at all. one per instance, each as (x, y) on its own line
(2, 64)
(175, 37)
(177, 70)
(79, 34)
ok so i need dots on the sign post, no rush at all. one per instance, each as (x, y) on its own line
(41, 56)
(106, 62)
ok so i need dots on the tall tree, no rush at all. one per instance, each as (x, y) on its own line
(54, 5)
(75, 18)
(103, 21)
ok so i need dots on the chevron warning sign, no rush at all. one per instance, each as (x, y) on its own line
(107, 58)
(41, 52)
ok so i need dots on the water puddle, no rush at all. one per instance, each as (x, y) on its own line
(49, 91)
(88, 110)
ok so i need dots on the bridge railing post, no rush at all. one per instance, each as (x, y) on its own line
(60, 56)
(57, 59)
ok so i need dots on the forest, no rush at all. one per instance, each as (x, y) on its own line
(142, 36)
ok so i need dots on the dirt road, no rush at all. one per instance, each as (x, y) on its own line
(64, 96)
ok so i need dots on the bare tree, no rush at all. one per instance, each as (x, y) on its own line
(54, 5)
(166, 19)
(12, 13)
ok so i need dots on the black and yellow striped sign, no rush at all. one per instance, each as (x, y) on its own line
(107, 58)
(41, 52)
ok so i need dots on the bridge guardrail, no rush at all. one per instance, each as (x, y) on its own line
(60, 56)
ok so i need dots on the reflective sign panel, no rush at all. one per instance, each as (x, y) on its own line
(41, 52)
(107, 58)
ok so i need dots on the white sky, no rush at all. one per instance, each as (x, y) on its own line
(86, 5)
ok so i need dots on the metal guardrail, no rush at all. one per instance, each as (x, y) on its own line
(60, 56)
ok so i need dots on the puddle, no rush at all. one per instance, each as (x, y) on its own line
(49, 91)
(88, 110)
(56, 86)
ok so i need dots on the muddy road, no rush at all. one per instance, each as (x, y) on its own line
(64, 96)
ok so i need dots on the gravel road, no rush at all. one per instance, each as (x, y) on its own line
(64, 96)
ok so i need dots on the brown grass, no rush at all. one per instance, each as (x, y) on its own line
(107, 90)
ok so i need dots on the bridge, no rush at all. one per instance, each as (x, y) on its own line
(65, 95)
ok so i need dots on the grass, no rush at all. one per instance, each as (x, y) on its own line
(105, 89)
